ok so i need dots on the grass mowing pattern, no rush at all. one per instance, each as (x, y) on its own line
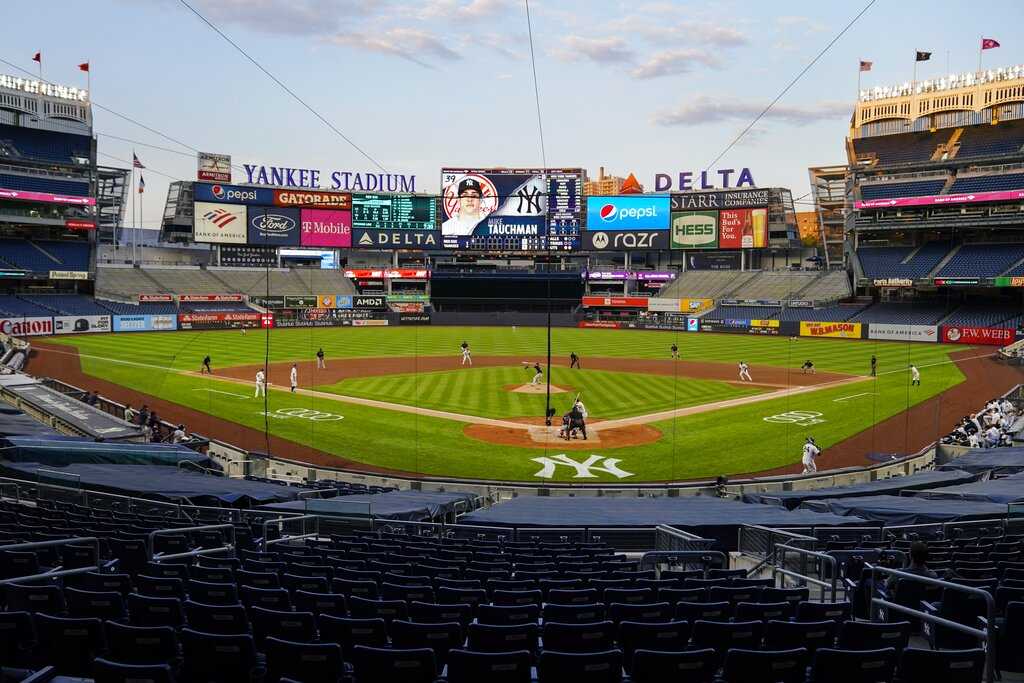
(734, 440)
(481, 391)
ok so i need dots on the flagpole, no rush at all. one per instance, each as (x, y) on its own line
(913, 81)
(981, 48)
(131, 189)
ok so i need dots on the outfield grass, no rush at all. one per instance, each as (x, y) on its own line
(734, 440)
(483, 392)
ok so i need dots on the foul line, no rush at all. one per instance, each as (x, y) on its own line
(226, 393)
(847, 398)
(507, 424)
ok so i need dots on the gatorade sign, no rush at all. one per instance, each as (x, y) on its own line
(694, 230)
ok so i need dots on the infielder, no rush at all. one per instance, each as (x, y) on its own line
(745, 371)
(675, 351)
(261, 383)
(538, 374)
(807, 367)
(294, 377)
(915, 376)
(320, 364)
(467, 357)
(811, 451)
(574, 361)
(206, 366)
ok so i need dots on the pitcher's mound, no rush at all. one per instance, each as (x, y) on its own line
(534, 389)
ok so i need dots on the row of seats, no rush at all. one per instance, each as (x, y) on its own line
(918, 188)
(982, 260)
(988, 183)
(31, 183)
(882, 262)
(42, 145)
(44, 256)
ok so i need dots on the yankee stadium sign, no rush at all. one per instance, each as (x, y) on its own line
(284, 176)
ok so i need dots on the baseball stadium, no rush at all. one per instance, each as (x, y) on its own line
(512, 421)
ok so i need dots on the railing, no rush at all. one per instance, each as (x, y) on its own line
(760, 541)
(670, 539)
(285, 538)
(981, 634)
(705, 558)
(56, 573)
(10, 486)
(151, 538)
(804, 576)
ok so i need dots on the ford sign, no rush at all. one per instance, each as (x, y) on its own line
(273, 225)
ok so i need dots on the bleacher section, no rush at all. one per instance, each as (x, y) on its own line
(12, 306)
(984, 316)
(118, 308)
(38, 184)
(882, 262)
(771, 285)
(44, 256)
(903, 314)
(982, 260)
(128, 283)
(70, 255)
(988, 183)
(702, 283)
(42, 145)
(66, 304)
(920, 188)
(830, 314)
(777, 285)
(833, 285)
(900, 149)
(984, 141)
(745, 312)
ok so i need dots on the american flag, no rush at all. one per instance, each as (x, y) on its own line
(135, 161)
(142, 184)
(865, 65)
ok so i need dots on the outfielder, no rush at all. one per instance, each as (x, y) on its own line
(467, 357)
(320, 364)
(261, 383)
(811, 451)
(745, 371)
(294, 377)
(915, 376)
(206, 366)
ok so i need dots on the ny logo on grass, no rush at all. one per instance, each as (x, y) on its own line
(584, 470)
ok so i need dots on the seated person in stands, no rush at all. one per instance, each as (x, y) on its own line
(918, 564)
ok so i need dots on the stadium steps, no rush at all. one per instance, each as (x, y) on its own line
(1016, 265)
(739, 283)
(228, 288)
(45, 253)
(911, 255)
(945, 259)
(156, 283)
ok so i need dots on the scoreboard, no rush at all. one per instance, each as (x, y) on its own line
(565, 201)
(394, 212)
(511, 242)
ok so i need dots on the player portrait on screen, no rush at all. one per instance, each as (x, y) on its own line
(469, 209)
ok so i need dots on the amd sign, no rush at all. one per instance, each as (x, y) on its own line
(625, 240)
(377, 303)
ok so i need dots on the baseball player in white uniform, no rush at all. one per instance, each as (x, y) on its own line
(745, 371)
(538, 374)
(915, 376)
(582, 408)
(467, 357)
(294, 377)
(261, 383)
(811, 451)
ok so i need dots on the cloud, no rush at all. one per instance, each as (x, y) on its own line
(286, 17)
(505, 44)
(678, 31)
(672, 62)
(471, 10)
(600, 50)
(413, 45)
(803, 24)
(705, 109)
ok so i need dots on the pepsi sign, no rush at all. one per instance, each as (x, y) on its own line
(274, 226)
(634, 212)
(232, 194)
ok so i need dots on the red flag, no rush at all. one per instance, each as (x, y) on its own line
(84, 66)
(865, 66)
(38, 57)
(989, 43)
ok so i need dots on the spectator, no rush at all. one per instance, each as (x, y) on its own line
(144, 416)
(130, 414)
(92, 398)
(918, 564)
(179, 434)
(992, 436)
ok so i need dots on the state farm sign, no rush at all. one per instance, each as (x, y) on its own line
(991, 336)
(26, 327)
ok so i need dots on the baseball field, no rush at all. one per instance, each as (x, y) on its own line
(400, 400)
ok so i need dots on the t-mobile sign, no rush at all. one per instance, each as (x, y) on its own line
(326, 228)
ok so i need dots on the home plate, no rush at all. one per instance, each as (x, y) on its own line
(535, 389)
(544, 434)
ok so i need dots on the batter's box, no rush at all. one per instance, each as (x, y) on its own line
(544, 434)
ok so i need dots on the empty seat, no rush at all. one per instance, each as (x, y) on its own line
(372, 665)
(788, 635)
(668, 636)
(656, 666)
(507, 614)
(212, 593)
(160, 586)
(946, 666)
(573, 614)
(99, 605)
(440, 638)
(306, 662)
(320, 603)
(655, 612)
(220, 619)
(106, 671)
(465, 666)
(348, 632)
(708, 611)
(853, 666)
(44, 599)
(292, 626)
(820, 611)
(149, 611)
(509, 638)
(215, 658)
(777, 666)
(596, 637)
(864, 635)
(17, 638)
(141, 644)
(70, 645)
(721, 635)
(585, 667)
(267, 598)
(388, 610)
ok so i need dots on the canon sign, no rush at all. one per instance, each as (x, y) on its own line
(26, 327)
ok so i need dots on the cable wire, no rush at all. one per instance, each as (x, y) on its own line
(284, 87)
(791, 84)
(536, 88)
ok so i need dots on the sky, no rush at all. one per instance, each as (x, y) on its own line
(643, 87)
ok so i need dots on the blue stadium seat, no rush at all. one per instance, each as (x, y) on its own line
(586, 667)
(988, 140)
(920, 188)
(901, 148)
(656, 666)
(948, 666)
(150, 611)
(778, 666)
(596, 637)
(787, 635)
(441, 638)
(107, 671)
(982, 260)
(853, 666)
(221, 619)
(48, 185)
(490, 638)
(988, 183)
(70, 645)
(667, 636)
(465, 666)
(371, 665)
(306, 662)
(141, 644)
(320, 603)
(17, 639)
(348, 632)
(299, 627)
(214, 658)
(44, 145)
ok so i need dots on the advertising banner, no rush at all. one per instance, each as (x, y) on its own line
(510, 201)
(218, 321)
(656, 275)
(26, 327)
(219, 223)
(145, 323)
(79, 224)
(424, 298)
(693, 324)
(301, 301)
(917, 333)
(695, 305)
(410, 307)
(628, 212)
(726, 260)
(396, 239)
(376, 303)
(413, 318)
(664, 305)
(608, 275)
(387, 273)
(698, 201)
(26, 196)
(69, 275)
(943, 199)
(694, 230)
(892, 282)
(216, 167)
(732, 325)
(248, 256)
(615, 301)
(601, 324)
(764, 323)
(371, 322)
(326, 228)
(957, 281)
(273, 226)
(79, 324)
(191, 298)
(1009, 282)
(733, 225)
(232, 194)
(394, 212)
(321, 317)
(625, 240)
(313, 199)
(821, 329)
(991, 336)
(155, 298)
